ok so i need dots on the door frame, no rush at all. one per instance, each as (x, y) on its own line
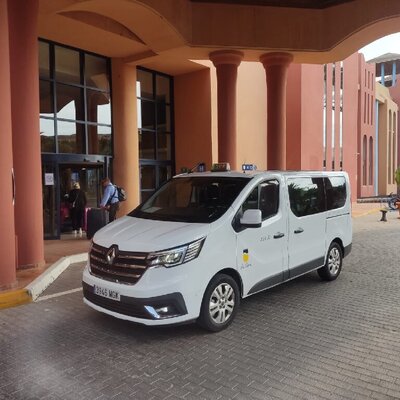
(58, 161)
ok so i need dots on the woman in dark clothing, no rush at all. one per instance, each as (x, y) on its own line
(77, 199)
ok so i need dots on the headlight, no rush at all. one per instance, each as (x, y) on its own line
(176, 256)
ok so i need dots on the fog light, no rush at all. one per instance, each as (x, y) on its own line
(160, 312)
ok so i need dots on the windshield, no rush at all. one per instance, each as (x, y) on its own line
(192, 199)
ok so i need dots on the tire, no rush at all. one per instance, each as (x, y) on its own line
(333, 265)
(220, 303)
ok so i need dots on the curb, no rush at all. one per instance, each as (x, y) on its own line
(42, 282)
(369, 212)
(13, 298)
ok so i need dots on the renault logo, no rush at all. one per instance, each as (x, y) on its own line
(110, 255)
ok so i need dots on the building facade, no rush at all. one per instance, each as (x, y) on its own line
(138, 89)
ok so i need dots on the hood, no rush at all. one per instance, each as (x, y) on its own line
(145, 235)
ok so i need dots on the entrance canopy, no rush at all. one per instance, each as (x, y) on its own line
(171, 32)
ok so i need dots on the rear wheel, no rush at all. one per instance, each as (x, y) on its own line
(220, 303)
(333, 265)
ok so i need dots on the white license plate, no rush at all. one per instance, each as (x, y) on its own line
(108, 293)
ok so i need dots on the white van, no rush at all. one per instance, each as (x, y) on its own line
(204, 241)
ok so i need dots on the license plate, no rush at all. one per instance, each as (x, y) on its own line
(108, 293)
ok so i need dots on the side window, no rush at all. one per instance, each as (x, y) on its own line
(264, 197)
(269, 199)
(306, 195)
(251, 203)
(335, 188)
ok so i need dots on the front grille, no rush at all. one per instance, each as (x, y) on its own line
(132, 310)
(127, 267)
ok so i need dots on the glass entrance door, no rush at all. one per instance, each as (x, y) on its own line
(89, 177)
(58, 180)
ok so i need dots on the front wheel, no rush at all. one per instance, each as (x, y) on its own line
(220, 303)
(333, 265)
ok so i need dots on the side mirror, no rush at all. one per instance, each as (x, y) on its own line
(251, 219)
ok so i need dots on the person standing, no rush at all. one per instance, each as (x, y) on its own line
(110, 200)
(77, 199)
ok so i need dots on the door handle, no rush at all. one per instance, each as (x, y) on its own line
(299, 230)
(279, 235)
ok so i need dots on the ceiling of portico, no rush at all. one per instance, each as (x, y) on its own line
(167, 34)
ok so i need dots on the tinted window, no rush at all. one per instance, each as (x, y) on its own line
(264, 197)
(306, 196)
(191, 199)
(269, 199)
(336, 194)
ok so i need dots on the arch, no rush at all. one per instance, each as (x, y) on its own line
(389, 150)
(371, 161)
(147, 24)
(364, 161)
(394, 147)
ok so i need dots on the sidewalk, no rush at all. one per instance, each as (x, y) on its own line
(60, 253)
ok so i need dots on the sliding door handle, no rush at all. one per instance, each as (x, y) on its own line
(299, 230)
(279, 235)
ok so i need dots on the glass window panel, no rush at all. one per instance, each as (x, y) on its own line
(96, 72)
(98, 107)
(99, 138)
(163, 146)
(47, 140)
(71, 137)
(145, 194)
(46, 99)
(146, 145)
(145, 86)
(163, 85)
(306, 196)
(44, 60)
(165, 173)
(49, 203)
(148, 115)
(67, 65)
(163, 118)
(148, 177)
(69, 102)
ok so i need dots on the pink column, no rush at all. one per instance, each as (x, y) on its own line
(276, 65)
(24, 71)
(7, 231)
(226, 63)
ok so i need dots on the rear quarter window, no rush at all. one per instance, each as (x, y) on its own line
(336, 193)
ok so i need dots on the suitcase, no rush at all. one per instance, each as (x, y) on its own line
(96, 219)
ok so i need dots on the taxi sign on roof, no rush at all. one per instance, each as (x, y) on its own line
(249, 167)
(220, 167)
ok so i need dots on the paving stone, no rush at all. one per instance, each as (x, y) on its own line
(306, 339)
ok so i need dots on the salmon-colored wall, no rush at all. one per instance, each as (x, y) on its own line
(293, 117)
(251, 115)
(7, 233)
(24, 79)
(350, 118)
(366, 125)
(193, 119)
(126, 138)
(312, 82)
(395, 94)
(387, 108)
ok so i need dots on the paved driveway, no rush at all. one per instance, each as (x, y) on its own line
(303, 340)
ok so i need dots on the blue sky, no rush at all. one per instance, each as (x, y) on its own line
(387, 44)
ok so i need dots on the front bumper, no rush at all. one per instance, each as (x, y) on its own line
(153, 308)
